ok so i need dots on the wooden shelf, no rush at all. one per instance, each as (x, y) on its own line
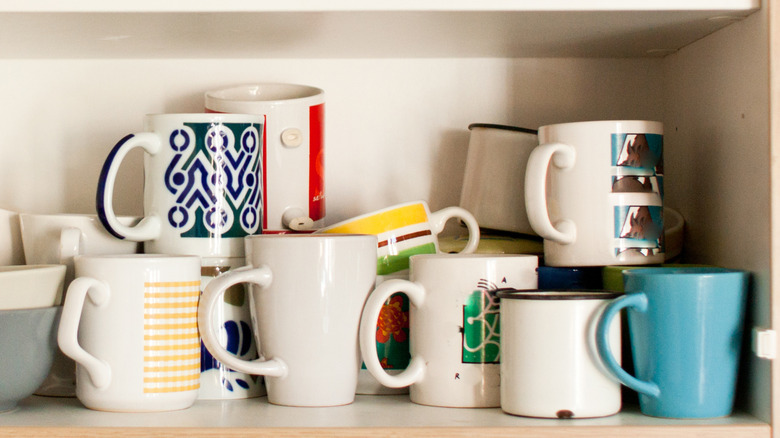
(369, 415)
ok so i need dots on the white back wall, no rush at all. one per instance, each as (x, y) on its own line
(396, 129)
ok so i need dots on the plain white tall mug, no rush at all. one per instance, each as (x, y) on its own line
(307, 293)
(454, 326)
(130, 323)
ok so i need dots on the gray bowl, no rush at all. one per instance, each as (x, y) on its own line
(28, 341)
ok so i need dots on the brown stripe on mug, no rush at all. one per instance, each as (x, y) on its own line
(406, 237)
(235, 295)
(213, 271)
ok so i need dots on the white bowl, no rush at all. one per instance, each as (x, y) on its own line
(31, 286)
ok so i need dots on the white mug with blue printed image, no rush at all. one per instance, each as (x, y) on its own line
(594, 192)
(202, 184)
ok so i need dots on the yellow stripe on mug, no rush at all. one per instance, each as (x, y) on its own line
(383, 221)
(168, 306)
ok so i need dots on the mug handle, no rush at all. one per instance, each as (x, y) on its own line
(67, 335)
(212, 295)
(415, 370)
(149, 227)
(70, 244)
(563, 157)
(439, 219)
(639, 302)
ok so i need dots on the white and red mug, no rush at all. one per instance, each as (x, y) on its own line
(293, 148)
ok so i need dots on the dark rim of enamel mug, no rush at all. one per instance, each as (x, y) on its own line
(506, 127)
(557, 294)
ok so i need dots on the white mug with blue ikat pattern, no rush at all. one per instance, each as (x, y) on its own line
(202, 184)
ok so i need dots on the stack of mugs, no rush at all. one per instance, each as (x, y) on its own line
(593, 191)
(232, 286)
(206, 188)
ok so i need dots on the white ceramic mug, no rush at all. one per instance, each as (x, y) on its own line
(307, 293)
(202, 184)
(550, 367)
(494, 177)
(58, 238)
(594, 192)
(402, 230)
(233, 315)
(406, 229)
(454, 322)
(130, 323)
(293, 158)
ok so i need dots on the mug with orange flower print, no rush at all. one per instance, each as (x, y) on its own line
(402, 230)
(453, 326)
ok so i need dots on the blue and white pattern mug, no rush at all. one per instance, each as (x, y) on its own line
(202, 184)
(686, 329)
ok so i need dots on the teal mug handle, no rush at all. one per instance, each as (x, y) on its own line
(639, 302)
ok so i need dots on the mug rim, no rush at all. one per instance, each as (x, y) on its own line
(681, 270)
(557, 294)
(503, 127)
(219, 95)
(9, 269)
(207, 117)
(373, 213)
(135, 256)
(604, 122)
(305, 235)
(473, 255)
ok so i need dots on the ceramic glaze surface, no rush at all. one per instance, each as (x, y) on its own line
(307, 293)
(549, 365)
(493, 182)
(130, 323)
(454, 324)
(218, 382)
(28, 340)
(686, 328)
(202, 186)
(31, 286)
(405, 230)
(293, 148)
(603, 204)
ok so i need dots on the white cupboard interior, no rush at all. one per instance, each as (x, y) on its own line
(403, 80)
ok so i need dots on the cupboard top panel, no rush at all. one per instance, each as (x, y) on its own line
(381, 5)
(355, 29)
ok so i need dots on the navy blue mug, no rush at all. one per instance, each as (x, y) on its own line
(564, 278)
(686, 329)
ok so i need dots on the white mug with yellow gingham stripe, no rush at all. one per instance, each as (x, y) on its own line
(130, 323)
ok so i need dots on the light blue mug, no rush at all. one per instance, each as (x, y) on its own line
(686, 330)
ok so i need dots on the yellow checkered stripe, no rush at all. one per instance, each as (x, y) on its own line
(171, 342)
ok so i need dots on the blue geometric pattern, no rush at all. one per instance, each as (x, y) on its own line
(215, 177)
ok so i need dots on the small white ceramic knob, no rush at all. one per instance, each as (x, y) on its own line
(295, 219)
(292, 137)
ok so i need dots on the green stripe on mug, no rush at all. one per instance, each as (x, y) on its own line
(398, 262)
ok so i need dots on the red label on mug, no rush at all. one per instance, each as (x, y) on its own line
(316, 162)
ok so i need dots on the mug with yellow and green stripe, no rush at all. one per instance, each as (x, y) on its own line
(404, 230)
